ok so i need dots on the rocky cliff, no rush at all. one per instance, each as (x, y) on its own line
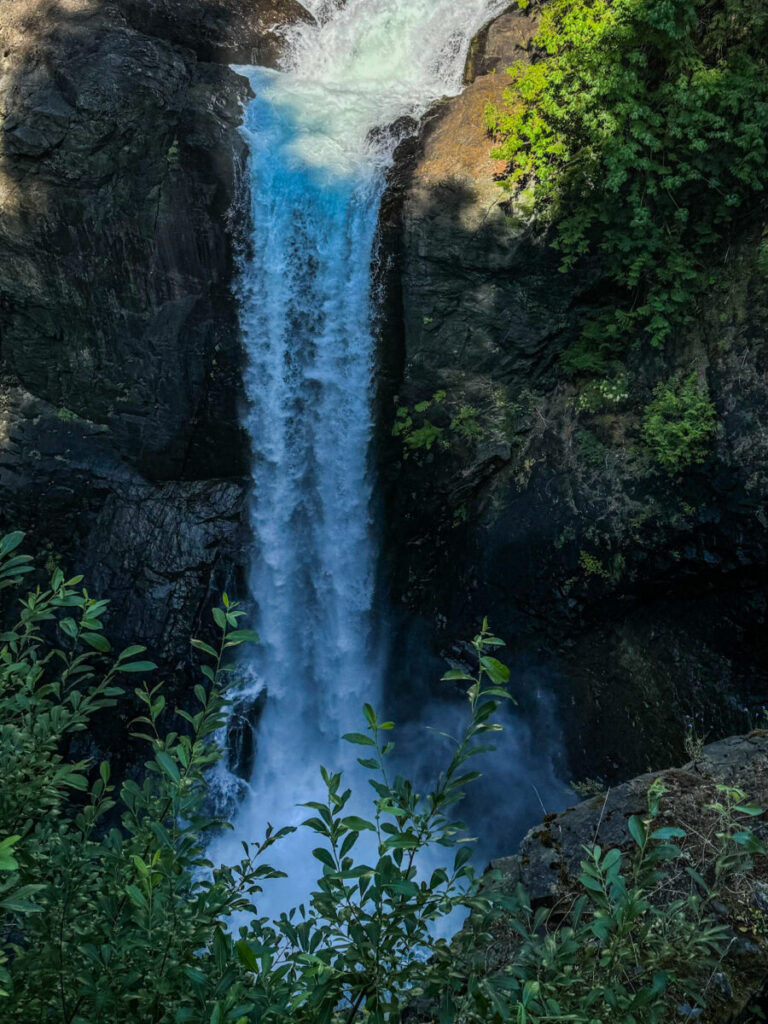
(120, 215)
(639, 595)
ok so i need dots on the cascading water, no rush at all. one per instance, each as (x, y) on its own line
(317, 176)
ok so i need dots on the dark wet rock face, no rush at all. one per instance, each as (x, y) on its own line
(640, 595)
(120, 207)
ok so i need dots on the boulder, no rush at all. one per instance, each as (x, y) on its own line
(503, 41)
(548, 863)
(226, 31)
(550, 854)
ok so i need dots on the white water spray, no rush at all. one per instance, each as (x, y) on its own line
(317, 176)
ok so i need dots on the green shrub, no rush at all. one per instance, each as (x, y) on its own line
(107, 914)
(678, 424)
(110, 909)
(110, 912)
(466, 424)
(639, 942)
(642, 131)
(593, 566)
(419, 434)
(605, 393)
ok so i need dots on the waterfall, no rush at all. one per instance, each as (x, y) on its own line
(317, 171)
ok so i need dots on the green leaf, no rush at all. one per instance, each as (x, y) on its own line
(463, 856)
(359, 738)
(219, 618)
(455, 673)
(610, 860)
(668, 833)
(137, 666)
(97, 642)
(220, 949)
(698, 879)
(751, 809)
(370, 715)
(202, 646)
(404, 888)
(244, 636)
(17, 902)
(168, 765)
(246, 956)
(131, 652)
(666, 851)
(402, 841)
(7, 861)
(136, 896)
(324, 857)
(743, 838)
(10, 542)
(590, 883)
(497, 672)
(637, 829)
(660, 983)
(358, 824)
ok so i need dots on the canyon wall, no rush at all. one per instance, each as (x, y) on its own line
(637, 595)
(121, 211)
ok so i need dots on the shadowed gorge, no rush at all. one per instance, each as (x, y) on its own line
(383, 511)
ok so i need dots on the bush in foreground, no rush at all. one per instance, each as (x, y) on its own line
(112, 914)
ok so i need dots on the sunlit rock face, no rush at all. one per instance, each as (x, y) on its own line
(120, 176)
(636, 595)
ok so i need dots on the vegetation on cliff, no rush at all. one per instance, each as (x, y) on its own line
(678, 423)
(110, 910)
(640, 130)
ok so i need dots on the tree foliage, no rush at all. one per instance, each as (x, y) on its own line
(642, 131)
(111, 911)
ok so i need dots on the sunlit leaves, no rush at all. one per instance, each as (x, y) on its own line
(642, 134)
